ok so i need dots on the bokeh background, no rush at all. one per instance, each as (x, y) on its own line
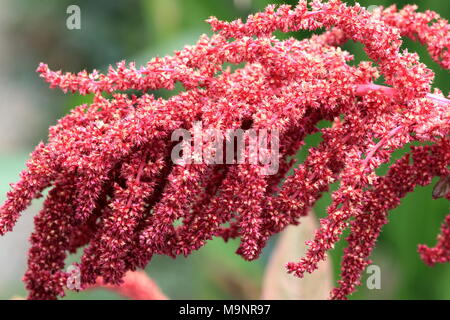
(35, 31)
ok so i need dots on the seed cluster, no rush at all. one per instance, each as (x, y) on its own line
(115, 192)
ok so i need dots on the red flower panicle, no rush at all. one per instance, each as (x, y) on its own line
(115, 190)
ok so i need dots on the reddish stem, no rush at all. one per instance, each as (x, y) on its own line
(138, 178)
(137, 285)
(390, 134)
(363, 89)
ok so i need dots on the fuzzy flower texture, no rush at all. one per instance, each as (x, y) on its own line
(114, 191)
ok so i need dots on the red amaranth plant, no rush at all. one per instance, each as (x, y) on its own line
(115, 190)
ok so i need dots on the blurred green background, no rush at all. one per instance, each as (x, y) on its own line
(35, 31)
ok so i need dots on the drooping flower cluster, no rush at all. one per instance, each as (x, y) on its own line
(115, 191)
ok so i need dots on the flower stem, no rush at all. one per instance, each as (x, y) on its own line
(137, 285)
